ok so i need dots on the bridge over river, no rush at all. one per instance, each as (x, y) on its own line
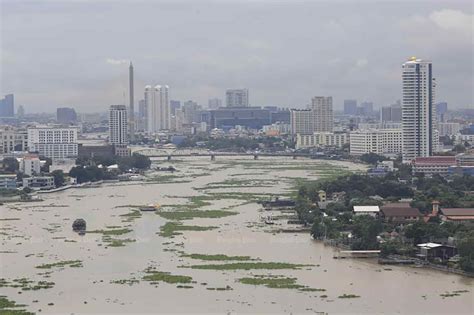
(173, 152)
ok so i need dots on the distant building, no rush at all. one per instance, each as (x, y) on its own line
(39, 182)
(66, 115)
(323, 113)
(366, 108)
(400, 212)
(350, 107)
(321, 139)
(441, 110)
(373, 211)
(20, 113)
(302, 121)
(12, 139)
(379, 141)
(249, 117)
(7, 106)
(158, 108)
(448, 128)
(214, 103)
(8, 181)
(432, 165)
(30, 165)
(118, 124)
(174, 106)
(53, 142)
(392, 113)
(237, 98)
(420, 136)
(141, 119)
(280, 116)
(190, 111)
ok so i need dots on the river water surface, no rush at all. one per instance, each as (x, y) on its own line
(38, 233)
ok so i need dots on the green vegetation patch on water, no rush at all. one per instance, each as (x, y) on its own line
(171, 229)
(131, 216)
(154, 277)
(61, 264)
(277, 282)
(348, 296)
(248, 266)
(8, 307)
(111, 231)
(117, 242)
(191, 214)
(217, 257)
(26, 284)
(126, 281)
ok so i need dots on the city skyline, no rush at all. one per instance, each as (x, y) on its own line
(357, 61)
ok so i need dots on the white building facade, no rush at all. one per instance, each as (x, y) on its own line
(53, 142)
(30, 165)
(323, 114)
(419, 119)
(379, 141)
(158, 108)
(12, 139)
(321, 139)
(118, 124)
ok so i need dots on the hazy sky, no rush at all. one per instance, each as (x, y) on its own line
(75, 53)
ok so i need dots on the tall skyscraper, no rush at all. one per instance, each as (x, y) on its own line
(158, 108)
(132, 102)
(237, 98)
(118, 125)
(420, 137)
(323, 114)
(350, 107)
(66, 115)
(7, 106)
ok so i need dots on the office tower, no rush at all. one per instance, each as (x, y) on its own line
(441, 109)
(141, 119)
(118, 125)
(350, 107)
(53, 142)
(20, 111)
(158, 108)
(214, 103)
(174, 106)
(322, 113)
(190, 111)
(237, 98)
(66, 115)
(420, 137)
(392, 113)
(7, 106)
(367, 108)
(132, 101)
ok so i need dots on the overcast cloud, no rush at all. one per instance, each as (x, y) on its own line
(75, 53)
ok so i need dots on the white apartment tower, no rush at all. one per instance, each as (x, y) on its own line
(158, 108)
(322, 112)
(419, 127)
(118, 124)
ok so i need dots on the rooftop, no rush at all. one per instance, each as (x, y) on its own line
(366, 209)
(458, 211)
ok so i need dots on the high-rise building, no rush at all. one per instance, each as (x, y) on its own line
(420, 137)
(7, 106)
(53, 142)
(174, 106)
(141, 119)
(132, 103)
(158, 108)
(302, 121)
(441, 110)
(66, 115)
(366, 108)
(323, 114)
(190, 111)
(118, 125)
(350, 107)
(392, 113)
(20, 111)
(214, 103)
(237, 98)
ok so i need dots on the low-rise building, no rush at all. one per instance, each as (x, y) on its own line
(12, 139)
(432, 165)
(373, 211)
(54, 142)
(39, 182)
(457, 214)
(8, 181)
(320, 139)
(432, 251)
(30, 165)
(448, 128)
(400, 212)
(379, 141)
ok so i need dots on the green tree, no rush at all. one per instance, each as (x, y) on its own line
(466, 251)
(365, 231)
(10, 165)
(371, 158)
(59, 179)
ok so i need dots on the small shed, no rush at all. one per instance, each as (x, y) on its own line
(367, 210)
(432, 251)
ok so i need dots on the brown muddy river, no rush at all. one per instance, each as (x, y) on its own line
(106, 271)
